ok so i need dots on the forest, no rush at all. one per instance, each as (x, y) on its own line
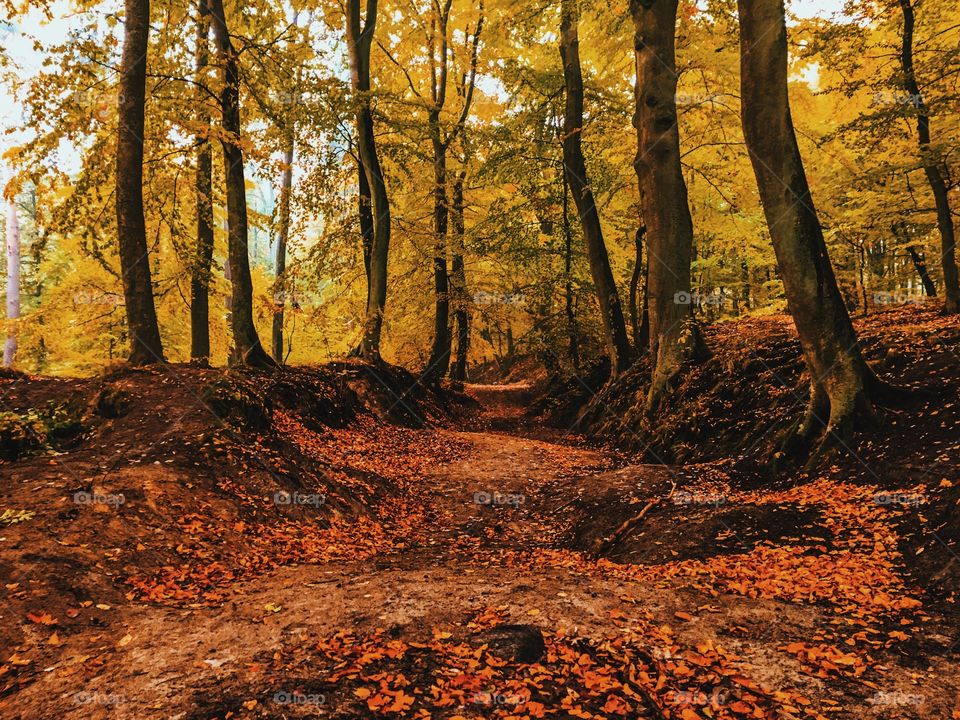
(470, 359)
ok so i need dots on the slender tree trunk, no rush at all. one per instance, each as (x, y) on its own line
(145, 346)
(615, 331)
(359, 40)
(13, 281)
(745, 285)
(365, 213)
(458, 279)
(283, 234)
(247, 349)
(674, 337)
(842, 386)
(932, 167)
(440, 351)
(920, 265)
(639, 328)
(203, 190)
(573, 340)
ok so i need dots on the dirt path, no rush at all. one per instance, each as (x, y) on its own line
(505, 497)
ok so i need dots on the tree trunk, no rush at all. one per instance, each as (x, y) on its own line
(359, 40)
(458, 279)
(932, 167)
(283, 234)
(145, 346)
(203, 190)
(440, 350)
(615, 331)
(247, 349)
(842, 386)
(573, 341)
(13, 281)
(920, 265)
(639, 316)
(674, 337)
(365, 213)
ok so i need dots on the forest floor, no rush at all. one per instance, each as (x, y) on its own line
(468, 573)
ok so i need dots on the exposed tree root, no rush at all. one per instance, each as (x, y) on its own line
(605, 545)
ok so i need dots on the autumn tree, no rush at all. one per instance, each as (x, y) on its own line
(359, 41)
(674, 337)
(247, 349)
(145, 346)
(615, 331)
(203, 192)
(438, 41)
(13, 276)
(842, 387)
(932, 165)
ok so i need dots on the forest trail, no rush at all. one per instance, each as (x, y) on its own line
(493, 514)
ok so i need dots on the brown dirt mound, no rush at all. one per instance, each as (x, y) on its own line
(167, 484)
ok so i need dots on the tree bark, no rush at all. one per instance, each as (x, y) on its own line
(283, 234)
(203, 190)
(920, 265)
(440, 350)
(458, 279)
(842, 387)
(932, 167)
(365, 213)
(145, 345)
(359, 41)
(247, 349)
(639, 316)
(13, 281)
(673, 335)
(615, 331)
(573, 341)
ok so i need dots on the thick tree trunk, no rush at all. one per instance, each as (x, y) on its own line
(13, 281)
(458, 279)
(203, 190)
(615, 331)
(247, 349)
(283, 234)
(932, 167)
(145, 346)
(842, 386)
(674, 337)
(359, 40)
(573, 339)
